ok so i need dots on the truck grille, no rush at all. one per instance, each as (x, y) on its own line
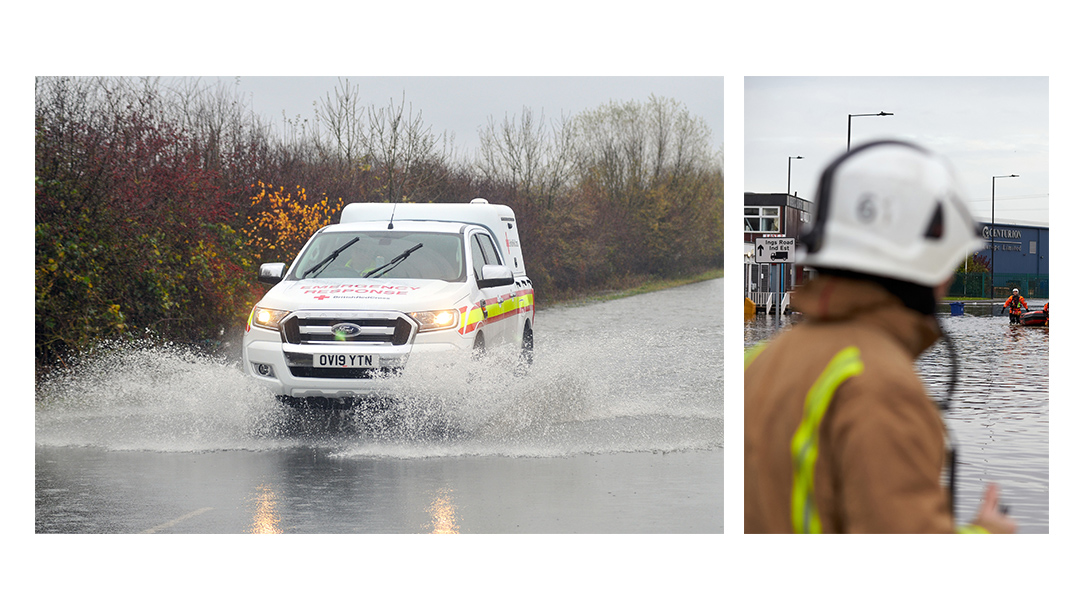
(350, 327)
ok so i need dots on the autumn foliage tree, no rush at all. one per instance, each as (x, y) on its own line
(280, 221)
(131, 227)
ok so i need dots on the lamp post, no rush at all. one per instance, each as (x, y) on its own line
(993, 184)
(882, 113)
(788, 172)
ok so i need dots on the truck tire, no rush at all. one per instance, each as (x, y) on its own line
(479, 349)
(526, 351)
(526, 354)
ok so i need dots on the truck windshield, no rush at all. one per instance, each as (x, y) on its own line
(440, 256)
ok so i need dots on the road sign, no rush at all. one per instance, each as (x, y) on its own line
(774, 250)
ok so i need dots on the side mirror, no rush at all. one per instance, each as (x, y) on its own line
(495, 275)
(272, 273)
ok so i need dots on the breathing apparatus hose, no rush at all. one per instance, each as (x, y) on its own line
(945, 404)
(954, 363)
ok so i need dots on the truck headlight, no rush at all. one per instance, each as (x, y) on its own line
(436, 320)
(268, 318)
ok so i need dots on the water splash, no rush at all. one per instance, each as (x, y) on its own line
(575, 399)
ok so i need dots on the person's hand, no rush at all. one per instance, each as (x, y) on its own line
(990, 515)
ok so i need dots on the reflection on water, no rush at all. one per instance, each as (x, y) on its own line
(1000, 412)
(265, 518)
(442, 510)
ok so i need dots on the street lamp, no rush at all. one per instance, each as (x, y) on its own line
(788, 172)
(881, 113)
(993, 184)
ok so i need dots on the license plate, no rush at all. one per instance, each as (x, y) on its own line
(344, 361)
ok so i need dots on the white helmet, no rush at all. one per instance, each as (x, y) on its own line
(1016, 291)
(890, 209)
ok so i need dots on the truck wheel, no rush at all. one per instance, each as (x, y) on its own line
(479, 348)
(526, 354)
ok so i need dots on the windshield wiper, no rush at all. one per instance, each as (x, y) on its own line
(386, 267)
(329, 258)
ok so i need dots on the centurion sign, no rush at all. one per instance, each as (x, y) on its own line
(1019, 250)
(989, 233)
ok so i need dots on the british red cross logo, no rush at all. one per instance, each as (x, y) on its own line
(321, 297)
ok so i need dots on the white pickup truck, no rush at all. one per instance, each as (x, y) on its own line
(389, 283)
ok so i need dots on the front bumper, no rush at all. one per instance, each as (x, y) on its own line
(287, 370)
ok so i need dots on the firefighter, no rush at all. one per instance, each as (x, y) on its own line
(1014, 304)
(840, 433)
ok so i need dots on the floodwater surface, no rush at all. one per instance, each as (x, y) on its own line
(617, 427)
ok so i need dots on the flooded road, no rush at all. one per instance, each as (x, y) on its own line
(618, 427)
(999, 417)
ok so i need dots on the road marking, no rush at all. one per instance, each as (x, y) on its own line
(195, 513)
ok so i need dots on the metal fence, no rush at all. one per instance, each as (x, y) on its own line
(977, 285)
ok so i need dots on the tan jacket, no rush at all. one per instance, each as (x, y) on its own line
(863, 450)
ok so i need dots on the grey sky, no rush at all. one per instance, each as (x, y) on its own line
(986, 126)
(463, 104)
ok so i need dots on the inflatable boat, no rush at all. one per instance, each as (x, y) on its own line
(1034, 318)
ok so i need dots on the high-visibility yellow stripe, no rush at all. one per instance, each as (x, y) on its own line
(752, 353)
(804, 446)
(971, 529)
(473, 316)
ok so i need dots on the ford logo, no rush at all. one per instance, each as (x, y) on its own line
(345, 330)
